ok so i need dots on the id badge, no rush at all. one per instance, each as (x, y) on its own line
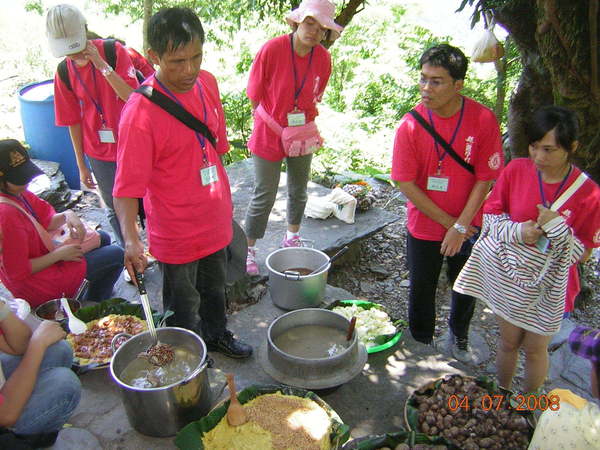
(106, 136)
(543, 244)
(209, 175)
(438, 183)
(296, 118)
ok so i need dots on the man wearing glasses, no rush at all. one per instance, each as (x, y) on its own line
(446, 184)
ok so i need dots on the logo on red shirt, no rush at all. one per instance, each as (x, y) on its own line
(494, 161)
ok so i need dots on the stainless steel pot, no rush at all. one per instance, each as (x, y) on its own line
(164, 410)
(312, 373)
(292, 290)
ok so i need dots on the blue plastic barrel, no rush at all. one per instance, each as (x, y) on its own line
(46, 140)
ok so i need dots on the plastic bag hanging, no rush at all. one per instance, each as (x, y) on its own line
(487, 48)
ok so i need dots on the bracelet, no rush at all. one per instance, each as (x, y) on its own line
(107, 70)
(460, 228)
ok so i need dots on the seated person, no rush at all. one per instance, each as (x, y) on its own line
(28, 268)
(38, 390)
(575, 422)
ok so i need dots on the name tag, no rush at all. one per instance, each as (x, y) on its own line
(106, 136)
(543, 244)
(438, 183)
(296, 119)
(209, 175)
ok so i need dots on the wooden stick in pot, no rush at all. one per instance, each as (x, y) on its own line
(236, 415)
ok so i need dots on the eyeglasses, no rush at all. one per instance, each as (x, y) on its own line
(434, 83)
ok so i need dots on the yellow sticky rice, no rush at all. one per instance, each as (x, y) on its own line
(275, 422)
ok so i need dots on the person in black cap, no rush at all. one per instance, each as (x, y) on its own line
(32, 266)
(571, 421)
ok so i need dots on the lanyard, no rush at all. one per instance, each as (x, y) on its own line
(297, 90)
(560, 187)
(96, 103)
(442, 154)
(22, 200)
(201, 139)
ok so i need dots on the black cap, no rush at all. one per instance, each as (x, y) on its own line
(15, 165)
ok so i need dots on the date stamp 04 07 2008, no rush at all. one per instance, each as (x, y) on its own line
(519, 402)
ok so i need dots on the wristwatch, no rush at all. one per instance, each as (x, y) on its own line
(460, 228)
(107, 70)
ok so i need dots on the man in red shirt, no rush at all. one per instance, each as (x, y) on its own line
(445, 197)
(179, 174)
(92, 106)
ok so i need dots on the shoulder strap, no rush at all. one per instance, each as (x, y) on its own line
(110, 52)
(566, 195)
(63, 73)
(177, 111)
(44, 235)
(266, 117)
(447, 147)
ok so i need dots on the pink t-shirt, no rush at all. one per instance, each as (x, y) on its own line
(271, 84)
(581, 210)
(77, 106)
(21, 242)
(160, 158)
(415, 159)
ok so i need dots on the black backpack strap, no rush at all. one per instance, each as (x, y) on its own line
(177, 111)
(63, 73)
(447, 147)
(110, 52)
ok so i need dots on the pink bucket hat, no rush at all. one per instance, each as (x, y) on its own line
(323, 11)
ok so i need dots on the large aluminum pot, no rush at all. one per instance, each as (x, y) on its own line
(164, 410)
(312, 373)
(291, 290)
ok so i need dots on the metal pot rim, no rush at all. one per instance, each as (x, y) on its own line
(341, 355)
(201, 366)
(300, 277)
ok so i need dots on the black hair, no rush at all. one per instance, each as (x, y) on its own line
(597, 368)
(172, 28)
(562, 120)
(450, 58)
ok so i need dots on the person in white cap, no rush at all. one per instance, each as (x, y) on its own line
(91, 106)
(287, 80)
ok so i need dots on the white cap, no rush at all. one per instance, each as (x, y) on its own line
(65, 28)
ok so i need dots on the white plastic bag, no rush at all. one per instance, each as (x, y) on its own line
(319, 208)
(345, 205)
(487, 48)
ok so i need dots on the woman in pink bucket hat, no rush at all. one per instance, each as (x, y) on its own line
(287, 80)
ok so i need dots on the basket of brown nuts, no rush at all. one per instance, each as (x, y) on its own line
(471, 413)
(400, 440)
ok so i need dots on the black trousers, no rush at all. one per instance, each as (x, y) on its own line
(424, 266)
(195, 292)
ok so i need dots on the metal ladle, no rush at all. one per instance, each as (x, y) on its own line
(295, 273)
(158, 353)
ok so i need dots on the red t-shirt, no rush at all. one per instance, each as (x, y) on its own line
(21, 242)
(160, 158)
(415, 159)
(581, 210)
(140, 62)
(271, 83)
(77, 106)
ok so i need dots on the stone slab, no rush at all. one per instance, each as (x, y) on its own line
(328, 235)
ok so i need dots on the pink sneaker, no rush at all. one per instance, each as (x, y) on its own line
(294, 241)
(251, 266)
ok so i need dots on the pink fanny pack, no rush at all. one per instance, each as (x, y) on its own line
(297, 141)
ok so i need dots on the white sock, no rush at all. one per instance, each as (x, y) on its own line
(253, 248)
(291, 235)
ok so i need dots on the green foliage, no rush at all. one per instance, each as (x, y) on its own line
(243, 65)
(34, 6)
(238, 111)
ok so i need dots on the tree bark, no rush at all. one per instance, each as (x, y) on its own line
(148, 5)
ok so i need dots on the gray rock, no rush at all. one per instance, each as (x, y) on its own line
(73, 438)
(479, 347)
(379, 270)
(566, 326)
(405, 283)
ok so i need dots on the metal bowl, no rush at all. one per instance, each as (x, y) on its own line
(311, 373)
(47, 311)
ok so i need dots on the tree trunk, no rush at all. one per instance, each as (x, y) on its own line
(148, 4)
(349, 10)
(558, 42)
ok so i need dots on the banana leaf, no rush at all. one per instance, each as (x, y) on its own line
(393, 439)
(190, 437)
(118, 306)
